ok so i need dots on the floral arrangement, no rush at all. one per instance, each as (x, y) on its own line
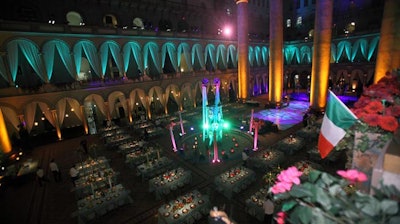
(378, 110)
(324, 198)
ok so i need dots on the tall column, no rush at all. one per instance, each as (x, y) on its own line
(243, 49)
(5, 143)
(275, 86)
(388, 57)
(321, 54)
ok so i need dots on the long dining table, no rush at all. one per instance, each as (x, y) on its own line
(169, 181)
(101, 202)
(234, 180)
(185, 209)
(151, 168)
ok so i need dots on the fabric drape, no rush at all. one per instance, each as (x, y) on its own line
(169, 49)
(49, 49)
(184, 49)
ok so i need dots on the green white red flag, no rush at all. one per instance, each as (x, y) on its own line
(337, 119)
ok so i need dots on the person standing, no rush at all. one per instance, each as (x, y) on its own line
(54, 169)
(74, 173)
(40, 176)
(269, 207)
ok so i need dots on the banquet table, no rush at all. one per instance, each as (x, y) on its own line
(113, 132)
(290, 145)
(134, 159)
(234, 180)
(254, 204)
(169, 181)
(264, 160)
(94, 181)
(131, 146)
(154, 167)
(92, 165)
(185, 209)
(94, 206)
(117, 140)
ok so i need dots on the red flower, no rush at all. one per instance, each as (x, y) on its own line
(374, 107)
(362, 102)
(388, 123)
(393, 111)
(371, 119)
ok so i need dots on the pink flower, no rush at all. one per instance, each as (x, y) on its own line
(291, 175)
(281, 187)
(353, 175)
(280, 217)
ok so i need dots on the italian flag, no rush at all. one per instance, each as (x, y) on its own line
(337, 119)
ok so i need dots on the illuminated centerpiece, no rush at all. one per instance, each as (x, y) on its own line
(213, 122)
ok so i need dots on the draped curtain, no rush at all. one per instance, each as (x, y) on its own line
(100, 105)
(360, 45)
(257, 54)
(210, 52)
(289, 53)
(137, 55)
(197, 52)
(159, 93)
(251, 56)
(132, 98)
(91, 53)
(346, 47)
(153, 49)
(49, 49)
(264, 54)
(232, 53)
(305, 52)
(61, 109)
(170, 49)
(113, 97)
(184, 49)
(334, 53)
(372, 47)
(30, 114)
(177, 95)
(221, 49)
(114, 49)
(32, 55)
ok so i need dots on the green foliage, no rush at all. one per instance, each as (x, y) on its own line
(324, 198)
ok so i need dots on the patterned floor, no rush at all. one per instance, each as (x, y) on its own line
(285, 117)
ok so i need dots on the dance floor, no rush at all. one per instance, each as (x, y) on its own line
(285, 117)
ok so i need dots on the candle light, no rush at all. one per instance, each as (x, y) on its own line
(158, 154)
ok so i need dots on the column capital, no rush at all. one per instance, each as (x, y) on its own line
(241, 1)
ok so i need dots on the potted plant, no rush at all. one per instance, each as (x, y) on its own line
(325, 198)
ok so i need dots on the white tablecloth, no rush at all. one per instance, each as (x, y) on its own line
(91, 207)
(234, 180)
(179, 211)
(169, 181)
(155, 167)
